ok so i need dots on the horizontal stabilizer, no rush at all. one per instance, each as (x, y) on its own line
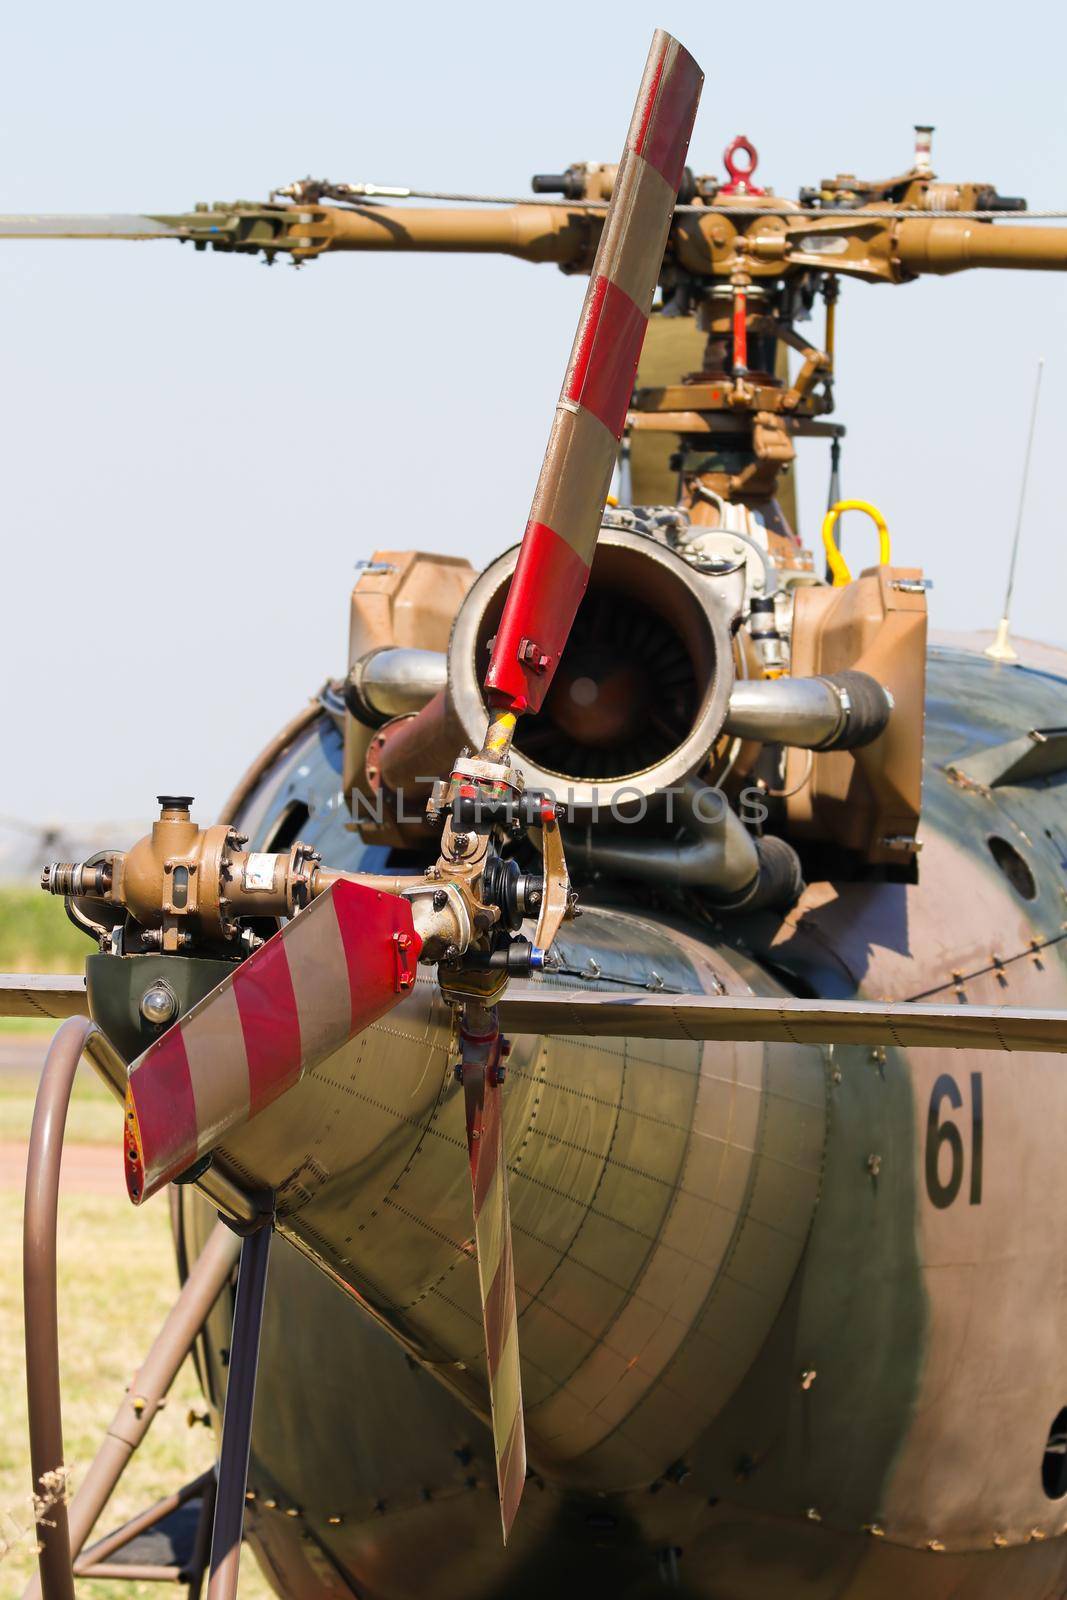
(43, 994)
(547, 1010)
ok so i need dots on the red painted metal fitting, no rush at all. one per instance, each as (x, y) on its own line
(405, 967)
(740, 175)
(531, 655)
(740, 330)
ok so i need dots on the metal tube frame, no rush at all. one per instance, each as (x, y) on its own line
(96, 1561)
(207, 1277)
(63, 1530)
(40, 1301)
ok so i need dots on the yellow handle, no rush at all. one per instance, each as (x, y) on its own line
(835, 560)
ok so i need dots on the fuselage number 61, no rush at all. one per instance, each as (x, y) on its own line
(943, 1132)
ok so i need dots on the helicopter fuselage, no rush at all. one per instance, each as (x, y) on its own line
(789, 1316)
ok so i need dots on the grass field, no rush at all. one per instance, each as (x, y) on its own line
(95, 1117)
(36, 934)
(117, 1280)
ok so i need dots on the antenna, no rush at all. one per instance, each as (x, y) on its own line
(1001, 648)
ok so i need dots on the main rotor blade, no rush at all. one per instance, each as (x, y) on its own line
(560, 538)
(90, 227)
(43, 994)
(545, 1010)
(333, 970)
(243, 227)
(483, 1105)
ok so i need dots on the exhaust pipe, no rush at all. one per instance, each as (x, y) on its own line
(721, 859)
(840, 712)
(393, 682)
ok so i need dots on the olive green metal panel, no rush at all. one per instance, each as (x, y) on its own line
(673, 347)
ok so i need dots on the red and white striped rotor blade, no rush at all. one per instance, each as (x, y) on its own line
(483, 1103)
(338, 966)
(560, 538)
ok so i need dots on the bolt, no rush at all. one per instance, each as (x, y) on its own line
(874, 1165)
(813, 1515)
(440, 899)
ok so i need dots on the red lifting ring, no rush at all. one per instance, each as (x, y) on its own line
(740, 175)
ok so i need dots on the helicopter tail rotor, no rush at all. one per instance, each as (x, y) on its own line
(481, 1072)
(557, 548)
(539, 610)
(332, 971)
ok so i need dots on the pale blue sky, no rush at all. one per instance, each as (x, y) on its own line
(195, 450)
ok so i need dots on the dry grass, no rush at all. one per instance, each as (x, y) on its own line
(95, 1117)
(117, 1279)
